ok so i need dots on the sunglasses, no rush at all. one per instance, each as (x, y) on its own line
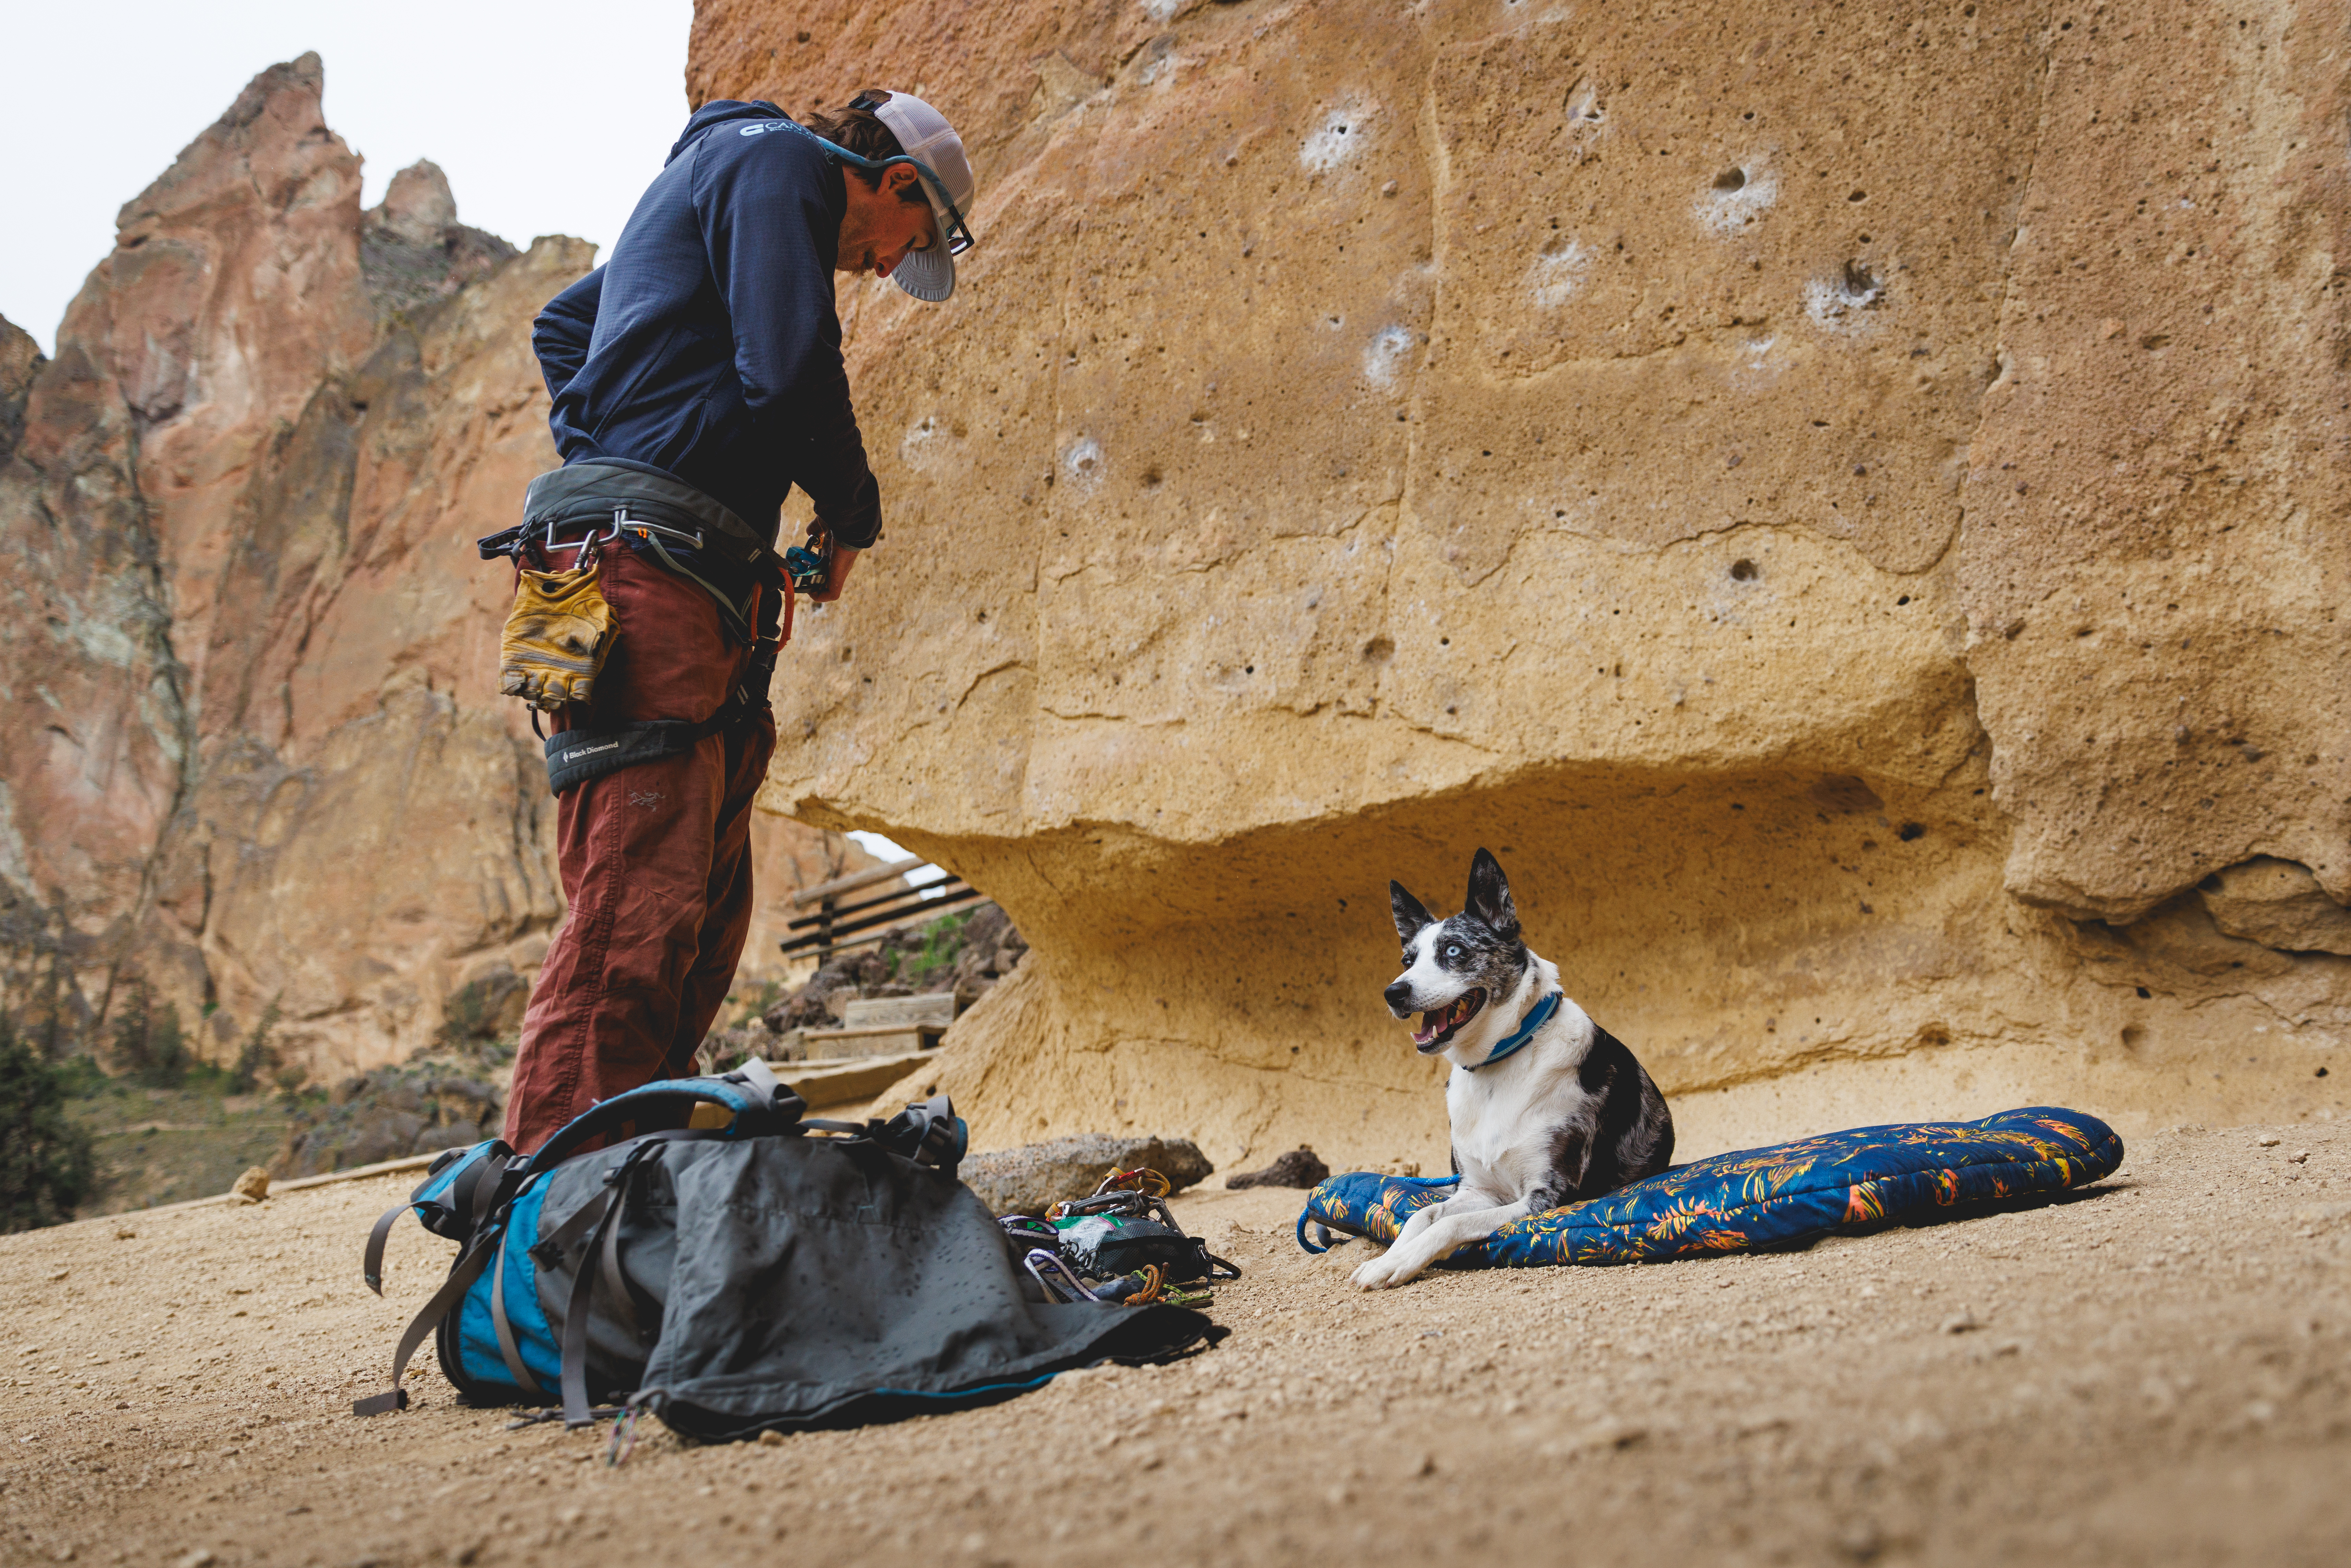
(958, 233)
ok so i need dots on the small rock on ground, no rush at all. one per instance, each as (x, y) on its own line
(1027, 1179)
(1302, 1166)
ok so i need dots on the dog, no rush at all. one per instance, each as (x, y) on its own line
(1547, 1107)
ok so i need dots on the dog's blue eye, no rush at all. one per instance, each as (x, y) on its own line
(1453, 950)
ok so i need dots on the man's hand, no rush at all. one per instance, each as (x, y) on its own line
(837, 564)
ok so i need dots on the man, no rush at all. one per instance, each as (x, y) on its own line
(697, 377)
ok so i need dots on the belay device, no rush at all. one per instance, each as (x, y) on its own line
(777, 1271)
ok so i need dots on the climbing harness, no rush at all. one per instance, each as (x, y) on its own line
(563, 631)
(1121, 1244)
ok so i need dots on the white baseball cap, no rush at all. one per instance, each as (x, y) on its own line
(948, 180)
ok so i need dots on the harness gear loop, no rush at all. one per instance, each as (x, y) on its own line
(1039, 1258)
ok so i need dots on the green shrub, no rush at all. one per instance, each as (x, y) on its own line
(256, 1056)
(755, 1005)
(478, 1019)
(942, 945)
(47, 1168)
(149, 1044)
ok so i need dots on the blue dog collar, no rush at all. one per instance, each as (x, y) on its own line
(1535, 1019)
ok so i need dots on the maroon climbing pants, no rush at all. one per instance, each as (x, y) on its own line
(656, 867)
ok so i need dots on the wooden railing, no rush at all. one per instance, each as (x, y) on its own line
(836, 926)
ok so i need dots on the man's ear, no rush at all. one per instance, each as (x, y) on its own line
(1489, 898)
(898, 178)
(1410, 918)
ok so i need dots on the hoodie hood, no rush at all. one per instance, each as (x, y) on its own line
(717, 112)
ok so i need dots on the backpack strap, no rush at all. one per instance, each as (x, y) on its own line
(600, 1261)
(461, 1279)
(927, 1132)
(576, 1413)
(608, 1271)
(760, 1103)
(372, 1264)
(459, 1192)
(507, 1348)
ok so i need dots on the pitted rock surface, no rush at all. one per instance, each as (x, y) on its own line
(1849, 511)
(1846, 514)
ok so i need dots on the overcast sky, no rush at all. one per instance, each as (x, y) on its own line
(548, 117)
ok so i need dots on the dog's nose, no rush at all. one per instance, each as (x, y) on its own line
(1399, 997)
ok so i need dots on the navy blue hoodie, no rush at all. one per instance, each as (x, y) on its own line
(708, 346)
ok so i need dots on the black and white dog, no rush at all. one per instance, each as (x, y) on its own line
(1547, 1108)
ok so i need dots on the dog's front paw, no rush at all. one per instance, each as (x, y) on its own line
(1381, 1273)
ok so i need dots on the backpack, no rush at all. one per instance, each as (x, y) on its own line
(776, 1272)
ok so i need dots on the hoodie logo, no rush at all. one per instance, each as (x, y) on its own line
(754, 129)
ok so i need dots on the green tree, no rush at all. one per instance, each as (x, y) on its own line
(149, 1043)
(46, 1166)
(257, 1057)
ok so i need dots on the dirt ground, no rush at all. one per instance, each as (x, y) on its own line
(2159, 1370)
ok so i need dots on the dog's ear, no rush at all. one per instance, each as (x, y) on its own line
(1489, 898)
(1410, 918)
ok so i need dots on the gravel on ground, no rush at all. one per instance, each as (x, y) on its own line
(2157, 1370)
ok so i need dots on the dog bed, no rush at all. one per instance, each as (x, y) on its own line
(1753, 1199)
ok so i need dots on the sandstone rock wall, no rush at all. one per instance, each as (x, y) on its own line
(1846, 500)
(250, 744)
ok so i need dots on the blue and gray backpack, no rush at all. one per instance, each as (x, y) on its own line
(768, 1270)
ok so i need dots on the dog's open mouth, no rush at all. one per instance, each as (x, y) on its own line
(1436, 1028)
